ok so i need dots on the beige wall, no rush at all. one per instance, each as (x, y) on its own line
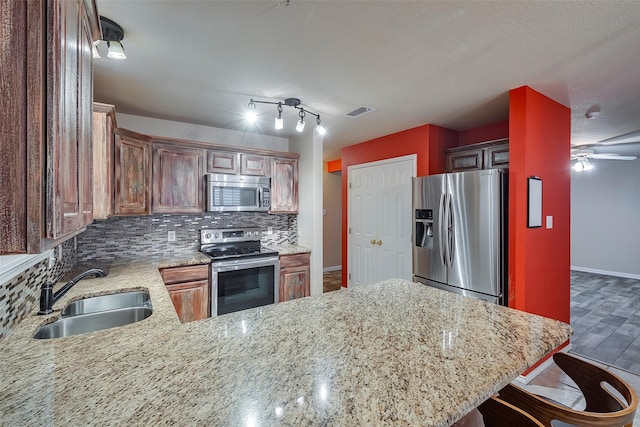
(332, 221)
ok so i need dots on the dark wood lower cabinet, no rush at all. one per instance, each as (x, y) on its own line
(188, 288)
(295, 275)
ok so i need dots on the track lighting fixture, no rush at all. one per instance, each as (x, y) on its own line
(113, 34)
(279, 122)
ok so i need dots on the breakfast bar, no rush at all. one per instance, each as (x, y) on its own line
(389, 353)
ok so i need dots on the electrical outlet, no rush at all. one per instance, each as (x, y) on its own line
(171, 236)
(269, 230)
(52, 258)
(299, 231)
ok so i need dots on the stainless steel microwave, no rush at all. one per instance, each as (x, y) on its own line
(237, 193)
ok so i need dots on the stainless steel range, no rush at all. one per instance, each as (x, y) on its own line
(243, 273)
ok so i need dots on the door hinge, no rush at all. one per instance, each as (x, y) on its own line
(349, 230)
(349, 185)
(349, 276)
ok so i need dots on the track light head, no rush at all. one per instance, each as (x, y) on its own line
(300, 125)
(319, 128)
(251, 113)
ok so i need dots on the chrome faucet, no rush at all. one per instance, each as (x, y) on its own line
(48, 298)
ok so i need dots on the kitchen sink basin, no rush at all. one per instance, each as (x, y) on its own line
(100, 303)
(83, 323)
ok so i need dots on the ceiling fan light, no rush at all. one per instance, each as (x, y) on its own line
(116, 51)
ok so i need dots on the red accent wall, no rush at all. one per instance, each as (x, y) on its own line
(539, 258)
(484, 133)
(428, 142)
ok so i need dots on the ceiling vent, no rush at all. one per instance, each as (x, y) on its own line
(360, 111)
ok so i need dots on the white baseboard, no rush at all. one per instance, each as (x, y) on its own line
(334, 268)
(526, 379)
(606, 272)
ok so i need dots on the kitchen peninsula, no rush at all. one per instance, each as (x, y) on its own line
(386, 353)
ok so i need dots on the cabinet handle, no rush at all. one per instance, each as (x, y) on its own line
(379, 242)
(373, 242)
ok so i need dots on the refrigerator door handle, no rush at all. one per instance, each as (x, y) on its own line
(441, 228)
(447, 231)
(450, 231)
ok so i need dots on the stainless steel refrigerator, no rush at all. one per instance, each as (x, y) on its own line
(460, 233)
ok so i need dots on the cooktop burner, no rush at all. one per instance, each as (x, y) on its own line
(233, 243)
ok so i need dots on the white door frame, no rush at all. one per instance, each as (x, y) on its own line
(414, 163)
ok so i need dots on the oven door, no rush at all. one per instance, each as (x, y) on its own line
(244, 283)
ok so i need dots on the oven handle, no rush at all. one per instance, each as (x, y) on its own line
(243, 264)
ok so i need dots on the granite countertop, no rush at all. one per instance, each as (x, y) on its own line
(288, 249)
(394, 352)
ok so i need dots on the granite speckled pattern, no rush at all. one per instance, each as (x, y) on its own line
(391, 353)
(288, 249)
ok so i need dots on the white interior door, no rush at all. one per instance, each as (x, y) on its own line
(379, 224)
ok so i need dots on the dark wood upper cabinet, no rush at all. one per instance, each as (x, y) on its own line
(177, 180)
(132, 170)
(484, 155)
(284, 185)
(104, 125)
(46, 101)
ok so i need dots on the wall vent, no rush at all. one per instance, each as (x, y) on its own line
(360, 111)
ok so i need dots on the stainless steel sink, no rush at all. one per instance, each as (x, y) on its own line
(107, 302)
(84, 323)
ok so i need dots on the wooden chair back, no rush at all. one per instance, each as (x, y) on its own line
(603, 408)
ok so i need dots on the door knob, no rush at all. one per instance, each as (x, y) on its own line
(379, 242)
(373, 242)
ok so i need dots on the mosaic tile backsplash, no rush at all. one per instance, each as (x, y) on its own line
(20, 295)
(146, 236)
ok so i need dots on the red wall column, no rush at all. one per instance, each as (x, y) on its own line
(539, 258)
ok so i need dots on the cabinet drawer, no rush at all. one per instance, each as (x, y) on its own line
(189, 273)
(294, 260)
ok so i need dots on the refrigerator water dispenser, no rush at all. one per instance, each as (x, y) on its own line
(424, 228)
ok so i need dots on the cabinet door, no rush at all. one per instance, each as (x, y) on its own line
(85, 119)
(190, 299)
(132, 176)
(64, 186)
(284, 185)
(223, 162)
(295, 275)
(104, 124)
(177, 180)
(496, 156)
(466, 160)
(251, 164)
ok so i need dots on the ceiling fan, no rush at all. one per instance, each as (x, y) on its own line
(582, 156)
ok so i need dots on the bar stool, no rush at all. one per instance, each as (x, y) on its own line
(603, 408)
(498, 413)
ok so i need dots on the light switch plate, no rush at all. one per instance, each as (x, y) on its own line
(549, 222)
(171, 236)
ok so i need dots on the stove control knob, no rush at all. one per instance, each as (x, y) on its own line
(207, 236)
(217, 235)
